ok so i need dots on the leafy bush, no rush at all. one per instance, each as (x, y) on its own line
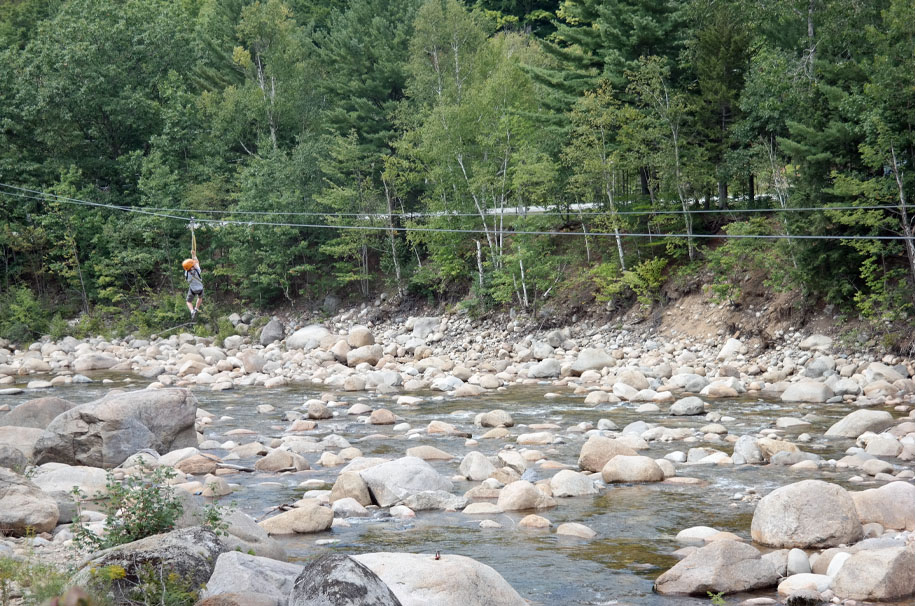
(58, 327)
(137, 507)
(22, 315)
(738, 257)
(646, 279)
(154, 584)
(608, 281)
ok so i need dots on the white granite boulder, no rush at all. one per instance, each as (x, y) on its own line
(858, 422)
(392, 481)
(720, 567)
(103, 433)
(452, 580)
(806, 514)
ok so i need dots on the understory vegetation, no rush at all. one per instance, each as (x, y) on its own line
(498, 154)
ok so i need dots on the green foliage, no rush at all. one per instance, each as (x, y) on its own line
(338, 116)
(768, 260)
(34, 581)
(608, 281)
(151, 583)
(138, 506)
(716, 599)
(22, 316)
(156, 584)
(646, 279)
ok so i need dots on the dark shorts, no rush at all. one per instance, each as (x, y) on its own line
(194, 293)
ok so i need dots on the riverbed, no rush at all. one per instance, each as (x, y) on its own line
(635, 524)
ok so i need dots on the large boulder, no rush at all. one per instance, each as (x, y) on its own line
(731, 349)
(806, 514)
(189, 553)
(349, 484)
(24, 507)
(545, 369)
(339, 580)
(878, 575)
(858, 422)
(494, 418)
(591, 358)
(93, 361)
(435, 500)
(58, 481)
(721, 566)
(22, 439)
(598, 450)
(272, 331)
(395, 480)
(423, 327)
(569, 483)
(475, 466)
(360, 336)
(816, 343)
(12, 458)
(450, 580)
(369, 354)
(878, 371)
(633, 378)
(807, 391)
(522, 495)
(747, 451)
(36, 413)
(244, 534)
(691, 405)
(891, 505)
(632, 468)
(309, 518)
(237, 572)
(105, 432)
(308, 337)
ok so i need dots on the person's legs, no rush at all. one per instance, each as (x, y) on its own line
(199, 299)
(188, 299)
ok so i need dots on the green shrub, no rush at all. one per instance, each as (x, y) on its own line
(58, 327)
(35, 581)
(137, 507)
(22, 315)
(608, 282)
(646, 279)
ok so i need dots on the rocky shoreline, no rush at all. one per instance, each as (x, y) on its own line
(845, 546)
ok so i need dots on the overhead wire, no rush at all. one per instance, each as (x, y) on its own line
(223, 222)
(511, 211)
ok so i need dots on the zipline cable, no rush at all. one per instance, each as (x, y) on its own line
(512, 212)
(499, 232)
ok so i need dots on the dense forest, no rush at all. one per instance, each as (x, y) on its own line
(496, 153)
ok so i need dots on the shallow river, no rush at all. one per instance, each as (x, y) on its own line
(636, 524)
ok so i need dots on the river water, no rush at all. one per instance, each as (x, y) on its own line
(636, 524)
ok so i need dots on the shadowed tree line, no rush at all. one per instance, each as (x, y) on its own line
(617, 117)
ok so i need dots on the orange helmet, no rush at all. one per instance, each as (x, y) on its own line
(187, 264)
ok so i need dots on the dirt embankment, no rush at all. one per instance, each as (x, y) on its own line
(758, 316)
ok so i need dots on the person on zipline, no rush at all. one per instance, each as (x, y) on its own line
(195, 283)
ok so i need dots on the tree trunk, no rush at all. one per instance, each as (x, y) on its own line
(904, 214)
(750, 190)
(394, 250)
(723, 194)
(644, 180)
(479, 266)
